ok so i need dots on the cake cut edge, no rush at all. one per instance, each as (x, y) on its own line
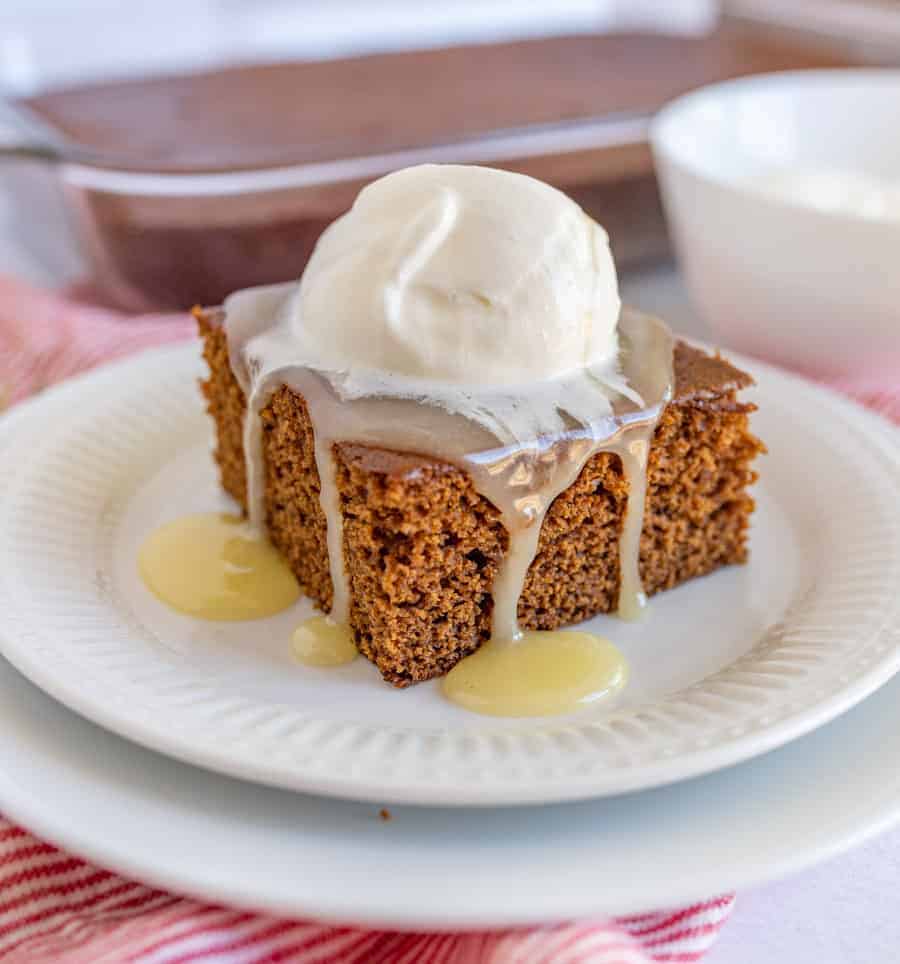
(422, 547)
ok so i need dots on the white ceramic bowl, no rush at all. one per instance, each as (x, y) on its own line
(813, 289)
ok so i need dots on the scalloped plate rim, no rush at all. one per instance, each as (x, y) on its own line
(655, 774)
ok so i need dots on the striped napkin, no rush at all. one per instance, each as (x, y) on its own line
(57, 908)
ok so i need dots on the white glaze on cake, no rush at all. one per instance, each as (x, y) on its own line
(521, 445)
(473, 316)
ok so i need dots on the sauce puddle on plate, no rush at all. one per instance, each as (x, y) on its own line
(539, 674)
(215, 566)
(319, 641)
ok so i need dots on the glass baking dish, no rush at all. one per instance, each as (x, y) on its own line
(168, 240)
(573, 111)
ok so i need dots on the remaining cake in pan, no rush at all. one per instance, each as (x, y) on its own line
(429, 459)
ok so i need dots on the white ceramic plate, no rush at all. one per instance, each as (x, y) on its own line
(198, 833)
(723, 669)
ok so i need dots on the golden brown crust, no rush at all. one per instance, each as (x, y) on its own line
(422, 547)
(226, 404)
(710, 377)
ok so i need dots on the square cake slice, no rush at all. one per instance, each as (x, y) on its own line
(422, 547)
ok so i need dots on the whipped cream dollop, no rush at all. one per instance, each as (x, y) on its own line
(460, 274)
(471, 315)
(484, 293)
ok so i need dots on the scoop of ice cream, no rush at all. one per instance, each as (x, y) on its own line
(460, 274)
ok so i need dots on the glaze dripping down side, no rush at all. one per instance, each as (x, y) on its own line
(521, 447)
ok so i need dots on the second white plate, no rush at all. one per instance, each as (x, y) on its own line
(723, 668)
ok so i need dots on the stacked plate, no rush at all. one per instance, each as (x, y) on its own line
(214, 765)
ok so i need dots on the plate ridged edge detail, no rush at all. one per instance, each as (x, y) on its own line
(797, 657)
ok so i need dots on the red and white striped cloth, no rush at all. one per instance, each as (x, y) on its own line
(56, 908)
(45, 337)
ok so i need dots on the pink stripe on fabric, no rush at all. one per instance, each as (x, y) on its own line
(32, 925)
(70, 935)
(686, 933)
(26, 852)
(191, 918)
(347, 948)
(233, 940)
(198, 919)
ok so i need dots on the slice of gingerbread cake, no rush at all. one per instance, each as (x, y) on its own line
(454, 433)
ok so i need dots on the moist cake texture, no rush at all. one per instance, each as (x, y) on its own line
(422, 547)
